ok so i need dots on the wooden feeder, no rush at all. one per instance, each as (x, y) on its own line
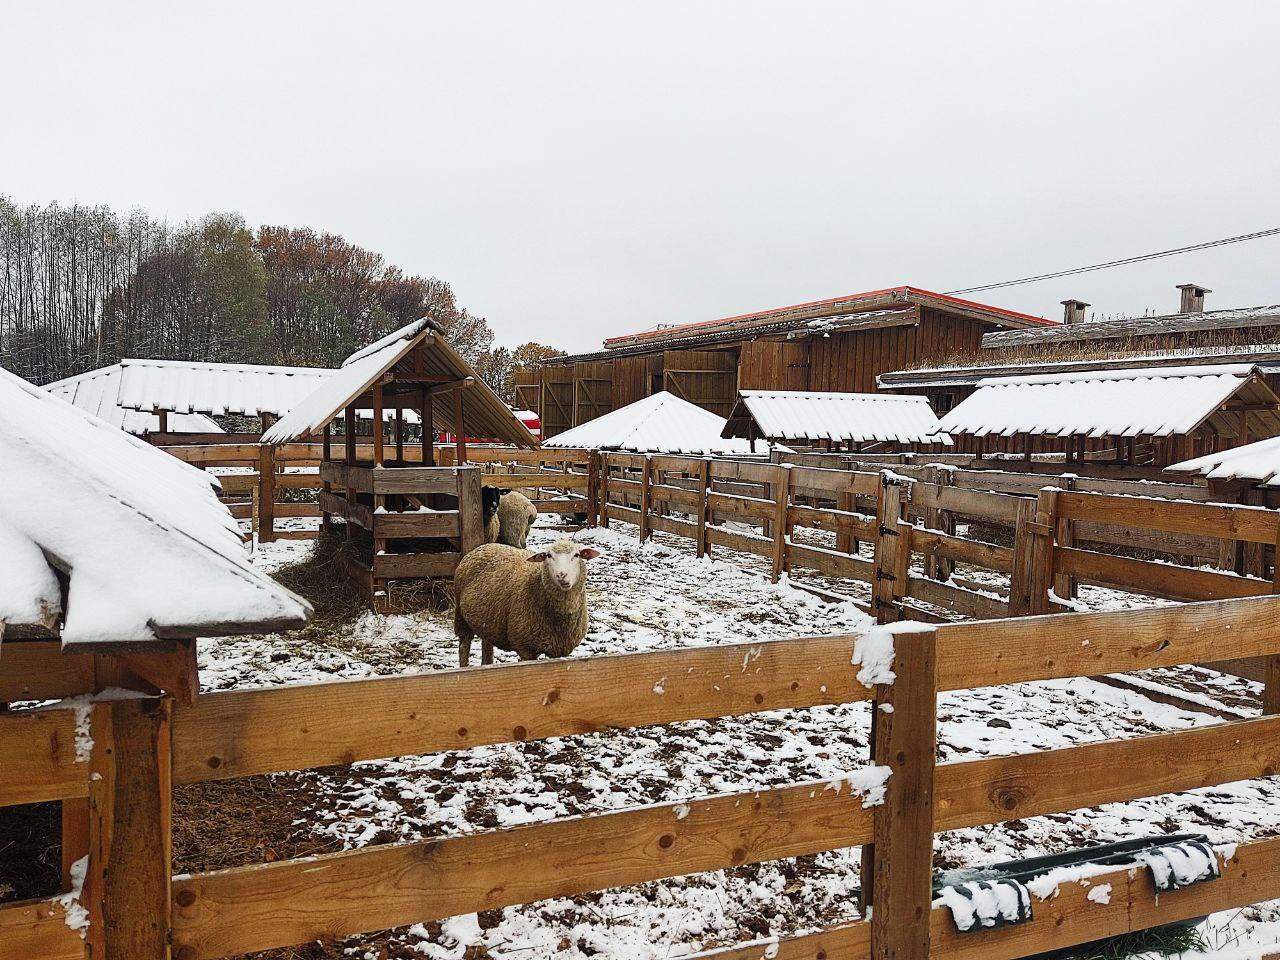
(420, 518)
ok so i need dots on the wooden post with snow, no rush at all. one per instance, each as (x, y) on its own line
(1020, 577)
(897, 871)
(781, 506)
(646, 499)
(704, 478)
(127, 879)
(1042, 552)
(890, 549)
(604, 490)
(266, 493)
(1064, 585)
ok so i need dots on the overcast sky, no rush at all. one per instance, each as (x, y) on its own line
(579, 170)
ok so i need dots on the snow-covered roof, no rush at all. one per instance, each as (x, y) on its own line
(660, 423)
(1158, 402)
(483, 412)
(1258, 462)
(98, 393)
(146, 550)
(1172, 324)
(844, 417)
(218, 389)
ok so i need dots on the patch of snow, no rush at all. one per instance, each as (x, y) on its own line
(1100, 894)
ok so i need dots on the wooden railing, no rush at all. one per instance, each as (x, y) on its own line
(557, 481)
(139, 747)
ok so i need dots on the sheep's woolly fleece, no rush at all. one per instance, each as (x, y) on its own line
(659, 596)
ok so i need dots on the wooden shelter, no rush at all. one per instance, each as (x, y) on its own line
(853, 421)
(420, 518)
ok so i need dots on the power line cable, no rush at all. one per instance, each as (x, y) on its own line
(1120, 263)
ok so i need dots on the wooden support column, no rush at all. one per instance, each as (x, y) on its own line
(127, 882)
(428, 430)
(781, 528)
(400, 433)
(377, 425)
(459, 429)
(163, 416)
(704, 480)
(1042, 552)
(1271, 665)
(890, 509)
(326, 518)
(350, 459)
(646, 501)
(266, 493)
(470, 509)
(905, 714)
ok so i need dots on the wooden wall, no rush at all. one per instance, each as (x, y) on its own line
(592, 390)
(708, 378)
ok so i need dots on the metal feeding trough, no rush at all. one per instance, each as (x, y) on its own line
(1001, 895)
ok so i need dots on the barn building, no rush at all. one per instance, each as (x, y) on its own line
(840, 344)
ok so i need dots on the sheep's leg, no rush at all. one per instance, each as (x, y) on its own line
(486, 651)
(464, 634)
(464, 651)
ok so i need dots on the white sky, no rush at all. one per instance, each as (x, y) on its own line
(579, 170)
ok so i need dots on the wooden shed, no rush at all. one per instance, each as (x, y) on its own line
(419, 518)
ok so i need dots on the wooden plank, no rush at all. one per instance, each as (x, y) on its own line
(245, 732)
(845, 522)
(294, 901)
(1023, 549)
(296, 509)
(39, 670)
(39, 751)
(439, 523)
(1254, 524)
(835, 482)
(665, 493)
(127, 887)
(357, 478)
(470, 511)
(967, 503)
(173, 671)
(646, 503)
(831, 562)
(1067, 919)
(1155, 579)
(37, 930)
(906, 732)
(970, 603)
(734, 506)
(1054, 647)
(976, 552)
(356, 513)
(412, 566)
(415, 480)
(998, 789)
(744, 542)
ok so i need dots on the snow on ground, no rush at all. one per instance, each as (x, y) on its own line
(659, 596)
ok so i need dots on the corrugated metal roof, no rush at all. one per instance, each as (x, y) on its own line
(660, 423)
(1259, 462)
(149, 551)
(842, 417)
(1156, 402)
(484, 414)
(217, 389)
(98, 393)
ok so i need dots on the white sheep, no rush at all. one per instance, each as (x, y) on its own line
(533, 604)
(516, 514)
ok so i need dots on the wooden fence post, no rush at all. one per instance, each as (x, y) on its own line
(1064, 585)
(604, 490)
(899, 868)
(594, 509)
(127, 881)
(890, 508)
(782, 503)
(470, 509)
(266, 493)
(1271, 665)
(704, 475)
(935, 518)
(1020, 577)
(645, 501)
(1042, 552)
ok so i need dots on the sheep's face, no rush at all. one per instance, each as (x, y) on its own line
(563, 566)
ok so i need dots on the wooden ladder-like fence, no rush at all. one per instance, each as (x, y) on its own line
(124, 756)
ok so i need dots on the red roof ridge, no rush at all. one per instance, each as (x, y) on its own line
(761, 314)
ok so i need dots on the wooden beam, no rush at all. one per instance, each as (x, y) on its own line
(459, 429)
(38, 930)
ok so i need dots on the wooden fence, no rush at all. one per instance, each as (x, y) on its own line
(557, 481)
(138, 748)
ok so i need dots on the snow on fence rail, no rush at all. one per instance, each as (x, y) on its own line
(135, 749)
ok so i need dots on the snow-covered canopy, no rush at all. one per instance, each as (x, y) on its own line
(1258, 462)
(660, 423)
(98, 393)
(484, 415)
(841, 417)
(145, 549)
(1156, 402)
(218, 389)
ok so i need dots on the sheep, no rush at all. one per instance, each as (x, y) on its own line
(533, 604)
(490, 498)
(516, 514)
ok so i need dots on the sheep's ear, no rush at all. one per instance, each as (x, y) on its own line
(537, 557)
(589, 553)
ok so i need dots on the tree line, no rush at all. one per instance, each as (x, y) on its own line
(82, 287)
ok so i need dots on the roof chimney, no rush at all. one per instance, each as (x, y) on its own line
(1192, 298)
(1073, 311)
